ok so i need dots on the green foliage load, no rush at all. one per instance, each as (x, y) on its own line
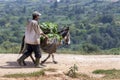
(50, 29)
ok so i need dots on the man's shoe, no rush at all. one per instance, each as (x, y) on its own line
(19, 62)
(39, 66)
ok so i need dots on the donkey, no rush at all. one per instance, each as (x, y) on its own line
(50, 46)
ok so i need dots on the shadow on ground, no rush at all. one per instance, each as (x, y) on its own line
(14, 65)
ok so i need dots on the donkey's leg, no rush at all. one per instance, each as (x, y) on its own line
(53, 58)
(45, 59)
(32, 58)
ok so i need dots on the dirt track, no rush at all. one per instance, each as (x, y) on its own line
(86, 63)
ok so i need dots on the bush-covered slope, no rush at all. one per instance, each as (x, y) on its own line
(93, 23)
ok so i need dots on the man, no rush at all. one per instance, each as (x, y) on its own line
(32, 39)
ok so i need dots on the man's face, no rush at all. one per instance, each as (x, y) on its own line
(37, 17)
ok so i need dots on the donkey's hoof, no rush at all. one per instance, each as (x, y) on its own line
(55, 62)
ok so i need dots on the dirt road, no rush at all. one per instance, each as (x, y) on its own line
(86, 63)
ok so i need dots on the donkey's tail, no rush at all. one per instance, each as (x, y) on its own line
(22, 45)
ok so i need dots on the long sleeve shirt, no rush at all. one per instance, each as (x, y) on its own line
(33, 33)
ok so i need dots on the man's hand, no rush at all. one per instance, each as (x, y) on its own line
(46, 37)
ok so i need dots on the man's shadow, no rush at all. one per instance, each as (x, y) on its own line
(14, 65)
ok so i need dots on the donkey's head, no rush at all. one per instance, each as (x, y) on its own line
(65, 35)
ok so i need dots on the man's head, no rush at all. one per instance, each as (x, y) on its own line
(36, 15)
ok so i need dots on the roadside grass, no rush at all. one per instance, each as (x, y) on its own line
(32, 74)
(109, 74)
(19, 75)
(42, 73)
(68, 51)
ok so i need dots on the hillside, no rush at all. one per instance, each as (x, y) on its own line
(94, 24)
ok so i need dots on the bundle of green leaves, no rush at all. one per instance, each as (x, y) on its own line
(51, 30)
(49, 27)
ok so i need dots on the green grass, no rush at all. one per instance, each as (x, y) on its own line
(109, 74)
(114, 51)
(33, 74)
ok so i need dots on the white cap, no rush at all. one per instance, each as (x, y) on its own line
(36, 13)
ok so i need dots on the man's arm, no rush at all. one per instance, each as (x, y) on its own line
(39, 31)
